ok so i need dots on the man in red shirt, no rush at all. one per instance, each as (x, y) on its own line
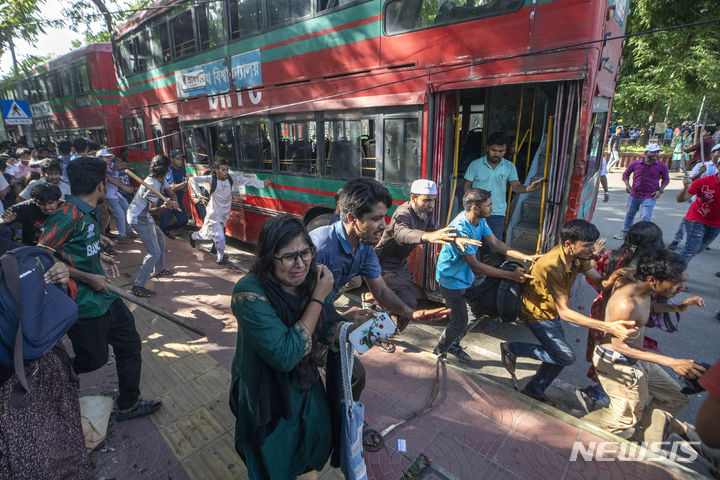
(702, 221)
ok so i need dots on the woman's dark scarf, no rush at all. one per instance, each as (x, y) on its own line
(274, 389)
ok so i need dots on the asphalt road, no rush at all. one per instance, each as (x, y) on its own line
(697, 338)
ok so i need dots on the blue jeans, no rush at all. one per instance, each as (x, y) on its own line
(680, 234)
(181, 218)
(631, 209)
(554, 352)
(699, 237)
(497, 225)
(614, 159)
(119, 206)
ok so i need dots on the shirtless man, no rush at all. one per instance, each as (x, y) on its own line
(631, 375)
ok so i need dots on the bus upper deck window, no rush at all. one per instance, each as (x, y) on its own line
(282, 11)
(245, 17)
(407, 15)
(183, 34)
(210, 24)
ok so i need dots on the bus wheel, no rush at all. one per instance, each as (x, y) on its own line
(319, 221)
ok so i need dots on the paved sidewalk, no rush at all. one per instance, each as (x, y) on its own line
(476, 429)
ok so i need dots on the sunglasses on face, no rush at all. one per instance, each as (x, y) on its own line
(289, 259)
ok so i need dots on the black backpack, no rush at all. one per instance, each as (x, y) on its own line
(201, 206)
(496, 297)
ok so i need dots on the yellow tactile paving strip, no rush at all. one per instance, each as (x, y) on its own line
(195, 422)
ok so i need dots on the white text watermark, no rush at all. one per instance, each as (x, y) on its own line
(681, 452)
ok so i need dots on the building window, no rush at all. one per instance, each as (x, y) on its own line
(211, 25)
(135, 133)
(183, 34)
(253, 143)
(407, 15)
(401, 162)
(245, 17)
(349, 149)
(295, 147)
(282, 11)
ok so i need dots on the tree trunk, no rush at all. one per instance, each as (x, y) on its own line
(644, 135)
(106, 13)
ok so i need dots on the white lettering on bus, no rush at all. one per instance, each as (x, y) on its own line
(225, 101)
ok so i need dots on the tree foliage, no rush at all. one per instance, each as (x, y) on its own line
(673, 68)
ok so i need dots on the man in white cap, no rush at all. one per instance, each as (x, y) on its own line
(700, 170)
(650, 177)
(412, 224)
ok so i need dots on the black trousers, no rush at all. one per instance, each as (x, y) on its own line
(90, 338)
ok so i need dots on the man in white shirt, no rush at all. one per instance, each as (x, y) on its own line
(51, 174)
(700, 170)
(219, 184)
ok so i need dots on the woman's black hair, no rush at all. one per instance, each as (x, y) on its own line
(276, 233)
(159, 166)
(641, 240)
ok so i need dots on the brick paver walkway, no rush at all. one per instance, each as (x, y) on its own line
(474, 430)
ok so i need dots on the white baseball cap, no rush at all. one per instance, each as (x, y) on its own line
(423, 187)
(104, 153)
(653, 147)
(715, 148)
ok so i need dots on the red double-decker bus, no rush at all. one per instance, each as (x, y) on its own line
(74, 95)
(314, 92)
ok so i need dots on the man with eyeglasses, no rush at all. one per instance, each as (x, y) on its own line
(346, 248)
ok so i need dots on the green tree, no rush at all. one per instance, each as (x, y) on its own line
(675, 68)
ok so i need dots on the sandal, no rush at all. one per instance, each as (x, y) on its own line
(372, 440)
(164, 272)
(143, 407)
(142, 292)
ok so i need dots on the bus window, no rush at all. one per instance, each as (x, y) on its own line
(401, 162)
(196, 147)
(245, 17)
(161, 43)
(66, 82)
(183, 34)
(295, 147)
(346, 146)
(210, 24)
(141, 55)
(135, 133)
(157, 140)
(223, 144)
(595, 144)
(406, 15)
(82, 81)
(253, 144)
(282, 11)
(125, 58)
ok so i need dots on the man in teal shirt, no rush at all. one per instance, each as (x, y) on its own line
(456, 267)
(493, 173)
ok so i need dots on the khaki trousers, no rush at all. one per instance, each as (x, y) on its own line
(629, 388)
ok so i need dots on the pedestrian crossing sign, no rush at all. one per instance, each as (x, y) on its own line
(16, 112)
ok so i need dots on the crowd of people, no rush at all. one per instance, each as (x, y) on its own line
(287, 417)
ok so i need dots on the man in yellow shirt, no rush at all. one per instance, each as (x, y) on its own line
(546, 300)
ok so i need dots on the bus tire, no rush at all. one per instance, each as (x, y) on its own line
(319, 221)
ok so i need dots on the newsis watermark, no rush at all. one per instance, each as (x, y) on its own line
(680, 452)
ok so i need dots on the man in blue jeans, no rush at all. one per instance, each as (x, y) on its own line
(457, 265)
(546, 300)
(702, 221)
(650, 177)
(177, 178)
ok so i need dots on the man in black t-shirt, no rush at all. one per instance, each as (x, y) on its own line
(31, 214)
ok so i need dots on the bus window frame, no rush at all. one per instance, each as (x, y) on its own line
(442, 24)
(380, 140)
(189, 127)
(143, 142)
(269, 130)
(344, 116)
(171, 33)
(225, 25)
(304, 117)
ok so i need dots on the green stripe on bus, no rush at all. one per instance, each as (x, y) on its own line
(310, 26)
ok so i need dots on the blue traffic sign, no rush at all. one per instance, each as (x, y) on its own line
(16, 112)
